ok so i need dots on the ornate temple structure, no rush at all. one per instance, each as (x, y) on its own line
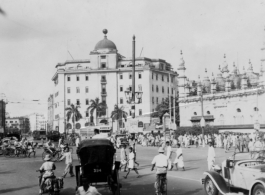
(233, 99)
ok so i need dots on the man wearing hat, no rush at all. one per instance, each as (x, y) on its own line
(48, 167)
(160, 161)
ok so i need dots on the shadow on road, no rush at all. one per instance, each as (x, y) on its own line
(15, 189)
(7, 172)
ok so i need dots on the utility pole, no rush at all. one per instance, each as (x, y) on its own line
(133, 77)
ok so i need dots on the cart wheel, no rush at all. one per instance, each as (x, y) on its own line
(209, 187)
(258, 189)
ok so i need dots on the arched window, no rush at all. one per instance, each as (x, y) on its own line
(222, 120)
(256, 109)
(195, 113)
(208, 112)
(238, 110)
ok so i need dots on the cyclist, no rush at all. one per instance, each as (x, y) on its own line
(50, 146)
(160, 161)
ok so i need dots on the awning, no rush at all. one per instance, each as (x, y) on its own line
(207, 118)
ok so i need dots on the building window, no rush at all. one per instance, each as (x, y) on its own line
(77, 102)
(121, 88)
(103, 89)
(208, 112)
(152, 75)
(195, 113)
(68, 102)
(68, 90)
(87, 102)
(139, 75)
(130, 76)
(104, 100)
(153, 100)
(140, 87)
(162, 77)
(238, 110)
(162, 89)
(103, 57)
(77, 90)
(156, 76)
(152, 87)
(103, 65)
(167, 78)
(103, 78)
(256, 109)
(130, 88)
(86, 89)
(86, 77)
(157, 100)
(68, 78)
(87, 114)
(77, 78)
(157, 89)
(121, 76)
(140, 112)
(130, 113)
(121, 100)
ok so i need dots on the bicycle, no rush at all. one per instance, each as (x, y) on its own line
(55, 155)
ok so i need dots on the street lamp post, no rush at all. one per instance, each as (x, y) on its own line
(132, 94)
(3, 99)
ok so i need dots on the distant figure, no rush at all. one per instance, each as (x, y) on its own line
(68, 162)
(211, 156)
(179, 158)
(86, 189)
(131, 165)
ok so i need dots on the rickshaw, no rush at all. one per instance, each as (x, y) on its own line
(98, 165)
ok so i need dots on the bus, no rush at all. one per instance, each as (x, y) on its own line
(39, 134)
(88, 132)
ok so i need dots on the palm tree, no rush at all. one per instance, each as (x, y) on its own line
(99, 107)
(72, 111)
(117, 114)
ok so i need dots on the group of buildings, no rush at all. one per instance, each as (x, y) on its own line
(233, 99)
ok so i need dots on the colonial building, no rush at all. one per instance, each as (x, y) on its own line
(106, 75)
(232, 100)
(37, 122)
(50, 120)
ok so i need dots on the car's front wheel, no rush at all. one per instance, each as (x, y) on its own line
(258, 190)
(209, 187)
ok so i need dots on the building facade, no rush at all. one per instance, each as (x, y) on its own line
(50, 120)
(232, 100)
(106, 75)
(37, 122)
(21, 124)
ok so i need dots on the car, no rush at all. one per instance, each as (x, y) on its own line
(237, 174)
(123, 138)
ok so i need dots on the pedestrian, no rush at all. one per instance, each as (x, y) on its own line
(77, 141)
(86, 188)
(251, 148)
(246, 142)
(160, 161)
(169, 154)
(123, 158)
(69, 163)
(241, 143)
(131, 161)
(211, 156)
(179, 158)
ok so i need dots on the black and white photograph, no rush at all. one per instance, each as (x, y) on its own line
(132, 97)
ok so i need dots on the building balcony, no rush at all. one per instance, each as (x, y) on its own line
(103, 81)
(103, 93)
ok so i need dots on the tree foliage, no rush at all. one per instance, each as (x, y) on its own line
(99, 107)
(118, 113)
(163, 107)
(72, 111)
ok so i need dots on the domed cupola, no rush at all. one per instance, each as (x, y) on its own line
(181, 62)
(220, 81)
(250, 67)
(235, 78)
(105, 43)
(213, 78)
(225, 66)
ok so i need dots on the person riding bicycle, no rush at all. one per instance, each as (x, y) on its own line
(160, 161)
(50, 146)
(47, 167)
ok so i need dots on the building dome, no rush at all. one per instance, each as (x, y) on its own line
(220, 81)
(225, 66)
(105, 43)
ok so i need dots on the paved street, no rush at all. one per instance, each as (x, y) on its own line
(18, 176)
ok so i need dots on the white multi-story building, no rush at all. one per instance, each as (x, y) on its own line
(37, 122)
(231, 100)
(106, 75)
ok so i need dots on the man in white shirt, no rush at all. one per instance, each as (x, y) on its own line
(98, 135)
(211, 156)
(69, 163)
(160, 161)
(86, 189)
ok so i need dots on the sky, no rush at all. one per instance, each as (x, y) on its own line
(36, 35)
